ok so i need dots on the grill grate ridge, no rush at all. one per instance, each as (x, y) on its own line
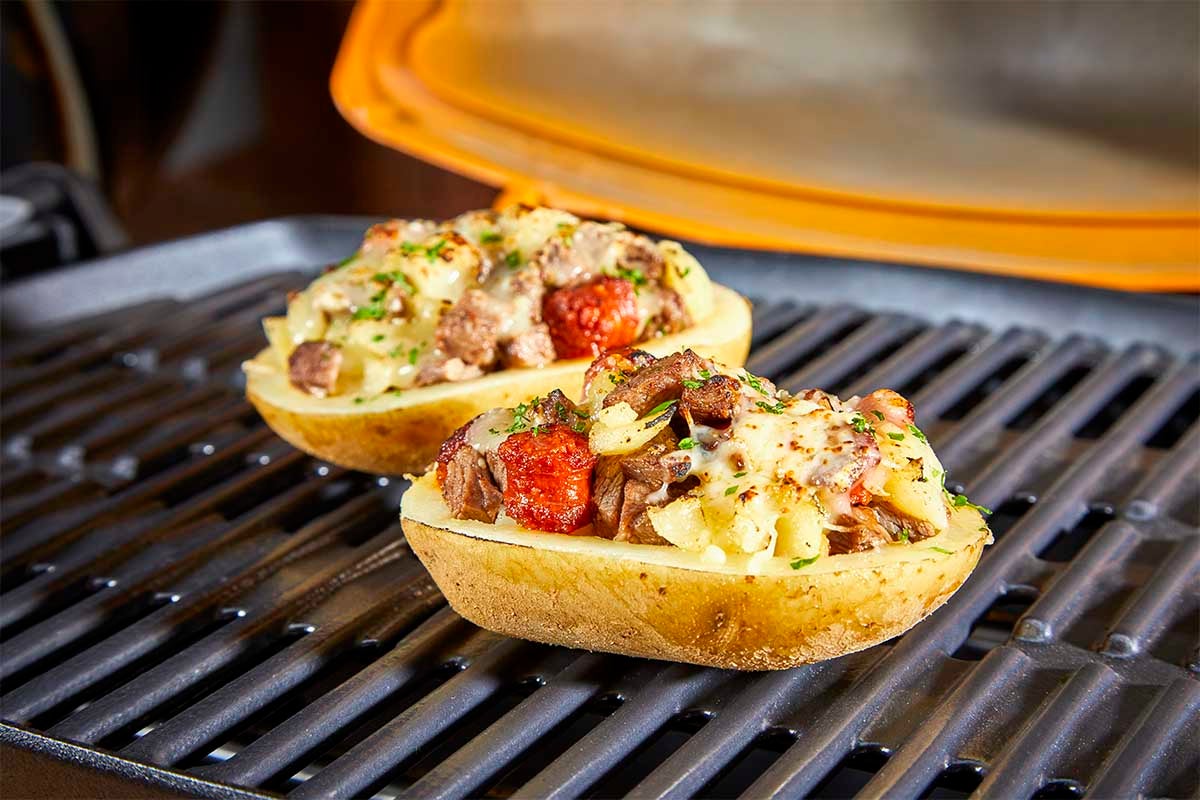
(139, 486)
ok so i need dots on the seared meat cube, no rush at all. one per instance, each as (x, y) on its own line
(468, 330)
(467, 485)
(532, 348)
(313, 367)
(672, 317)
(658, 382)
(713, 402)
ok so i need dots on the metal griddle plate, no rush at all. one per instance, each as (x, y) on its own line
(189, 603)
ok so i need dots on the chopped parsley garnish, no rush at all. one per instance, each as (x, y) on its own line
(395, 277)
(374, 310)
(513, 259)
(739, 474)
(489, 237)
(770, 409)
(520, 418)
(916, 432)
(878, 414)
(413, 354)
(755, 383)
(408, 248)
(961, 501)
(634, 276)
(661, 407)
(432, 251)
(578, 426)
(346, 260)
(687, 443)
(493, 432)
(377, 337)
(904, 534)
(690, 384)
(896, 437)
(683, 273)
(860, 425)
(943, 550)
(804, 562)
(359, 400)
(579, 412)
(705, 374)
(730, 490)
(396, 392)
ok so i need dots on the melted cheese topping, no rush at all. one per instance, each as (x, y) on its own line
(779, 478)
(383, 304)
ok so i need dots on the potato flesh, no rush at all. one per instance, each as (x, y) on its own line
(688, 279)
(618, 430)
(759, 497)
(914, 485)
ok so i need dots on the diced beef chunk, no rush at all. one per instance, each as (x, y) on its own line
(468, 330)
(672, 317)
(635, 525)
(658, 382)
(562, 265)
(313, 367)
(496, 465)
(554, 409)
(622, 487)
(875, 525)
(854, 540)
(646, 465)
(442, 370)
(468, 488)
(637, 253)
(883, 517)
(608, 493)
(713, 402)
(531, 348)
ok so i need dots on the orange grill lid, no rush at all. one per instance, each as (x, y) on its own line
(840, 129)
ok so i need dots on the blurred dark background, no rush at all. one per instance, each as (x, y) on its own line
(191, 116)
(185, 117)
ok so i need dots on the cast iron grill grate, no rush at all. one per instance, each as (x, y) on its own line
(182, 589)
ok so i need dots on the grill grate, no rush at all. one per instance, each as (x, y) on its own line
(183, 590)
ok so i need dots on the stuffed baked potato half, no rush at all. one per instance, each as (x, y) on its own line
(691, 512)
(427, 325)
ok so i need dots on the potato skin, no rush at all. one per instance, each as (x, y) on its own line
(621, 605)
(397, 441)
(403, 434)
